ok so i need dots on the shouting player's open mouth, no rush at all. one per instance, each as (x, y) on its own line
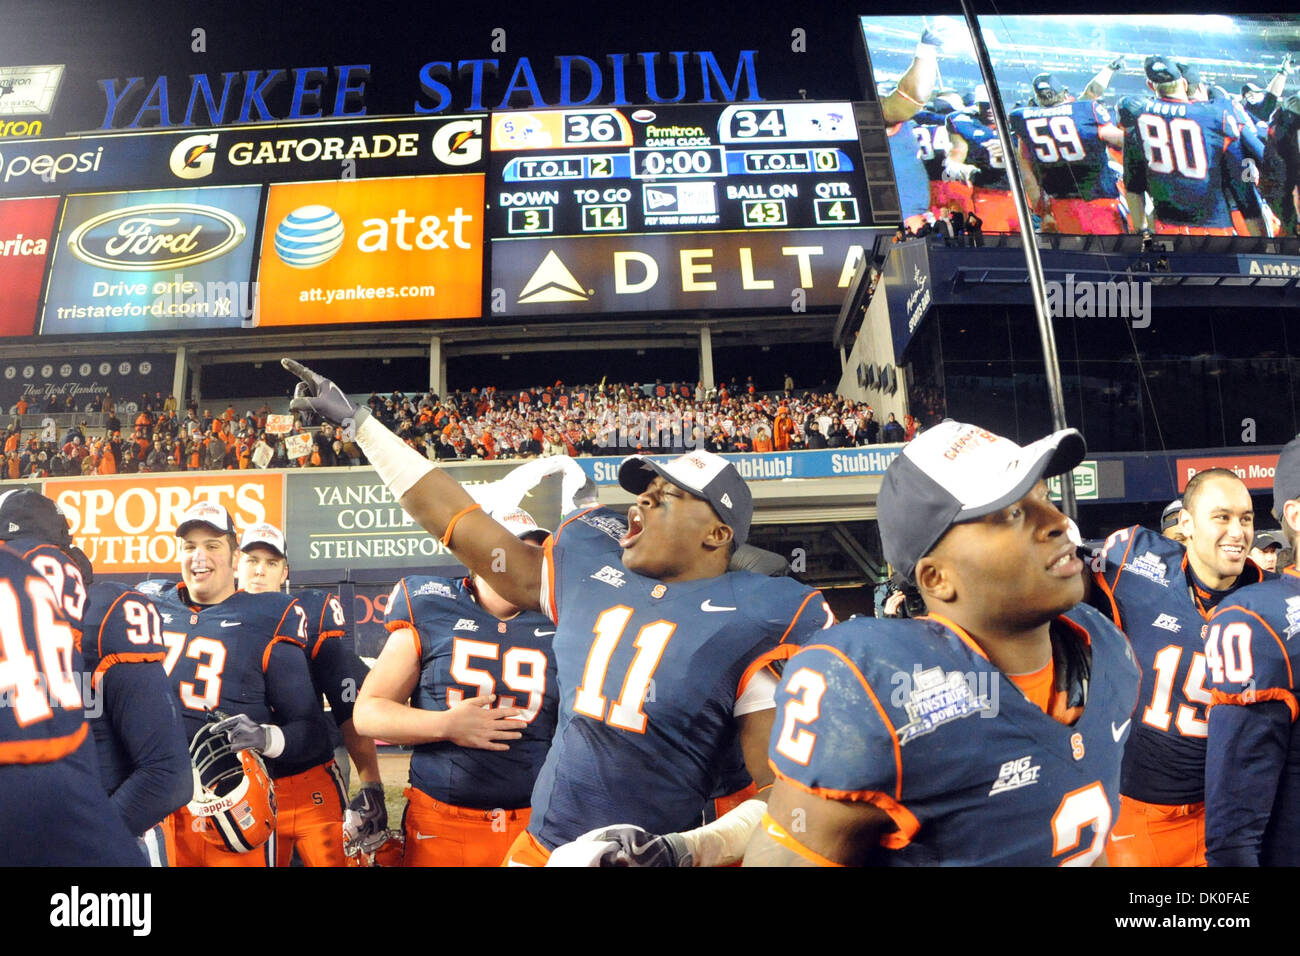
(635, 525)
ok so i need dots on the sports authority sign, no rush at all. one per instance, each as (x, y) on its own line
(127, 524)
(1255, 471)
(786, 269)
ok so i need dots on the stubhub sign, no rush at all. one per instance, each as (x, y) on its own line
(776, 466)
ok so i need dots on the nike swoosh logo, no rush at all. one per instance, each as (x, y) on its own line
(1118, 732)
(425, 836)
(1115, 837)
(774, 832)
(230, 623)
(709, 606)
(537, 633)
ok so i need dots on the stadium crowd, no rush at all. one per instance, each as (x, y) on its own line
(480, 424)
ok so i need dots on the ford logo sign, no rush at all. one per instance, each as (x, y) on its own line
(157, 236)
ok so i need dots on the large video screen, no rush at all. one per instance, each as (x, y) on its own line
(1183, 125)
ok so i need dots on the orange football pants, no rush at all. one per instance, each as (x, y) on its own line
(310, 817)
(439, 834)
(194, 849)
(1154, 834)
(526, 851)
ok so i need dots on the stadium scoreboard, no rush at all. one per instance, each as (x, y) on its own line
(697, 168)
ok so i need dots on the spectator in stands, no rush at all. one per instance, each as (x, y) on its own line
(869, 430)
(838, 436)
(944, 226)
(893, 432)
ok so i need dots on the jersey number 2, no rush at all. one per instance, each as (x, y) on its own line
(1080, 808)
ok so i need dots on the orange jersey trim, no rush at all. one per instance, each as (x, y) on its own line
(1100, 580)
(45, 750)
(99, 638)
(1123, 560)
(139, 657)
(321, 638)
(884, 717)
(782, 653)
(1254, 697)
(958, 630)
(794, 620)
(278, 639)
(904, 819)
(782, 837)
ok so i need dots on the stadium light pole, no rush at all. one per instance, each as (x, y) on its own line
(1028, 242)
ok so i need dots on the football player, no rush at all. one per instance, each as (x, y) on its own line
(1280, 174)
(456, 647)
(1169, 521)
(1064, 147)
(139, 742)
(1266, 547)
(1182, 154)
(55, 810)
(1260, 102)
(310, 805)
(931, 131)
(976, 156)
(1252, 766)
(1160, 594)
(661, 655)
(1032, 688)
(898, 106)
(242, 654)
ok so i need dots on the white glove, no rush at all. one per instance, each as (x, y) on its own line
(959, 172)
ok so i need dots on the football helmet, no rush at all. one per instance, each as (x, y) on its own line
(234, 797)
(385, 848)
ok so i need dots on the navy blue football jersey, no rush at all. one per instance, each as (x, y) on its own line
(984, 150)
(932, 142)
(911, 716)
(1281, 168)
(651, 679)
(909, 172)
(54, 808)
(60, 571)
(245, 656)
(1069, 158)
(1252, 771)
(1185, 156)
(336, 671)
(1157, 604)
(143, 752)
(466, 652)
